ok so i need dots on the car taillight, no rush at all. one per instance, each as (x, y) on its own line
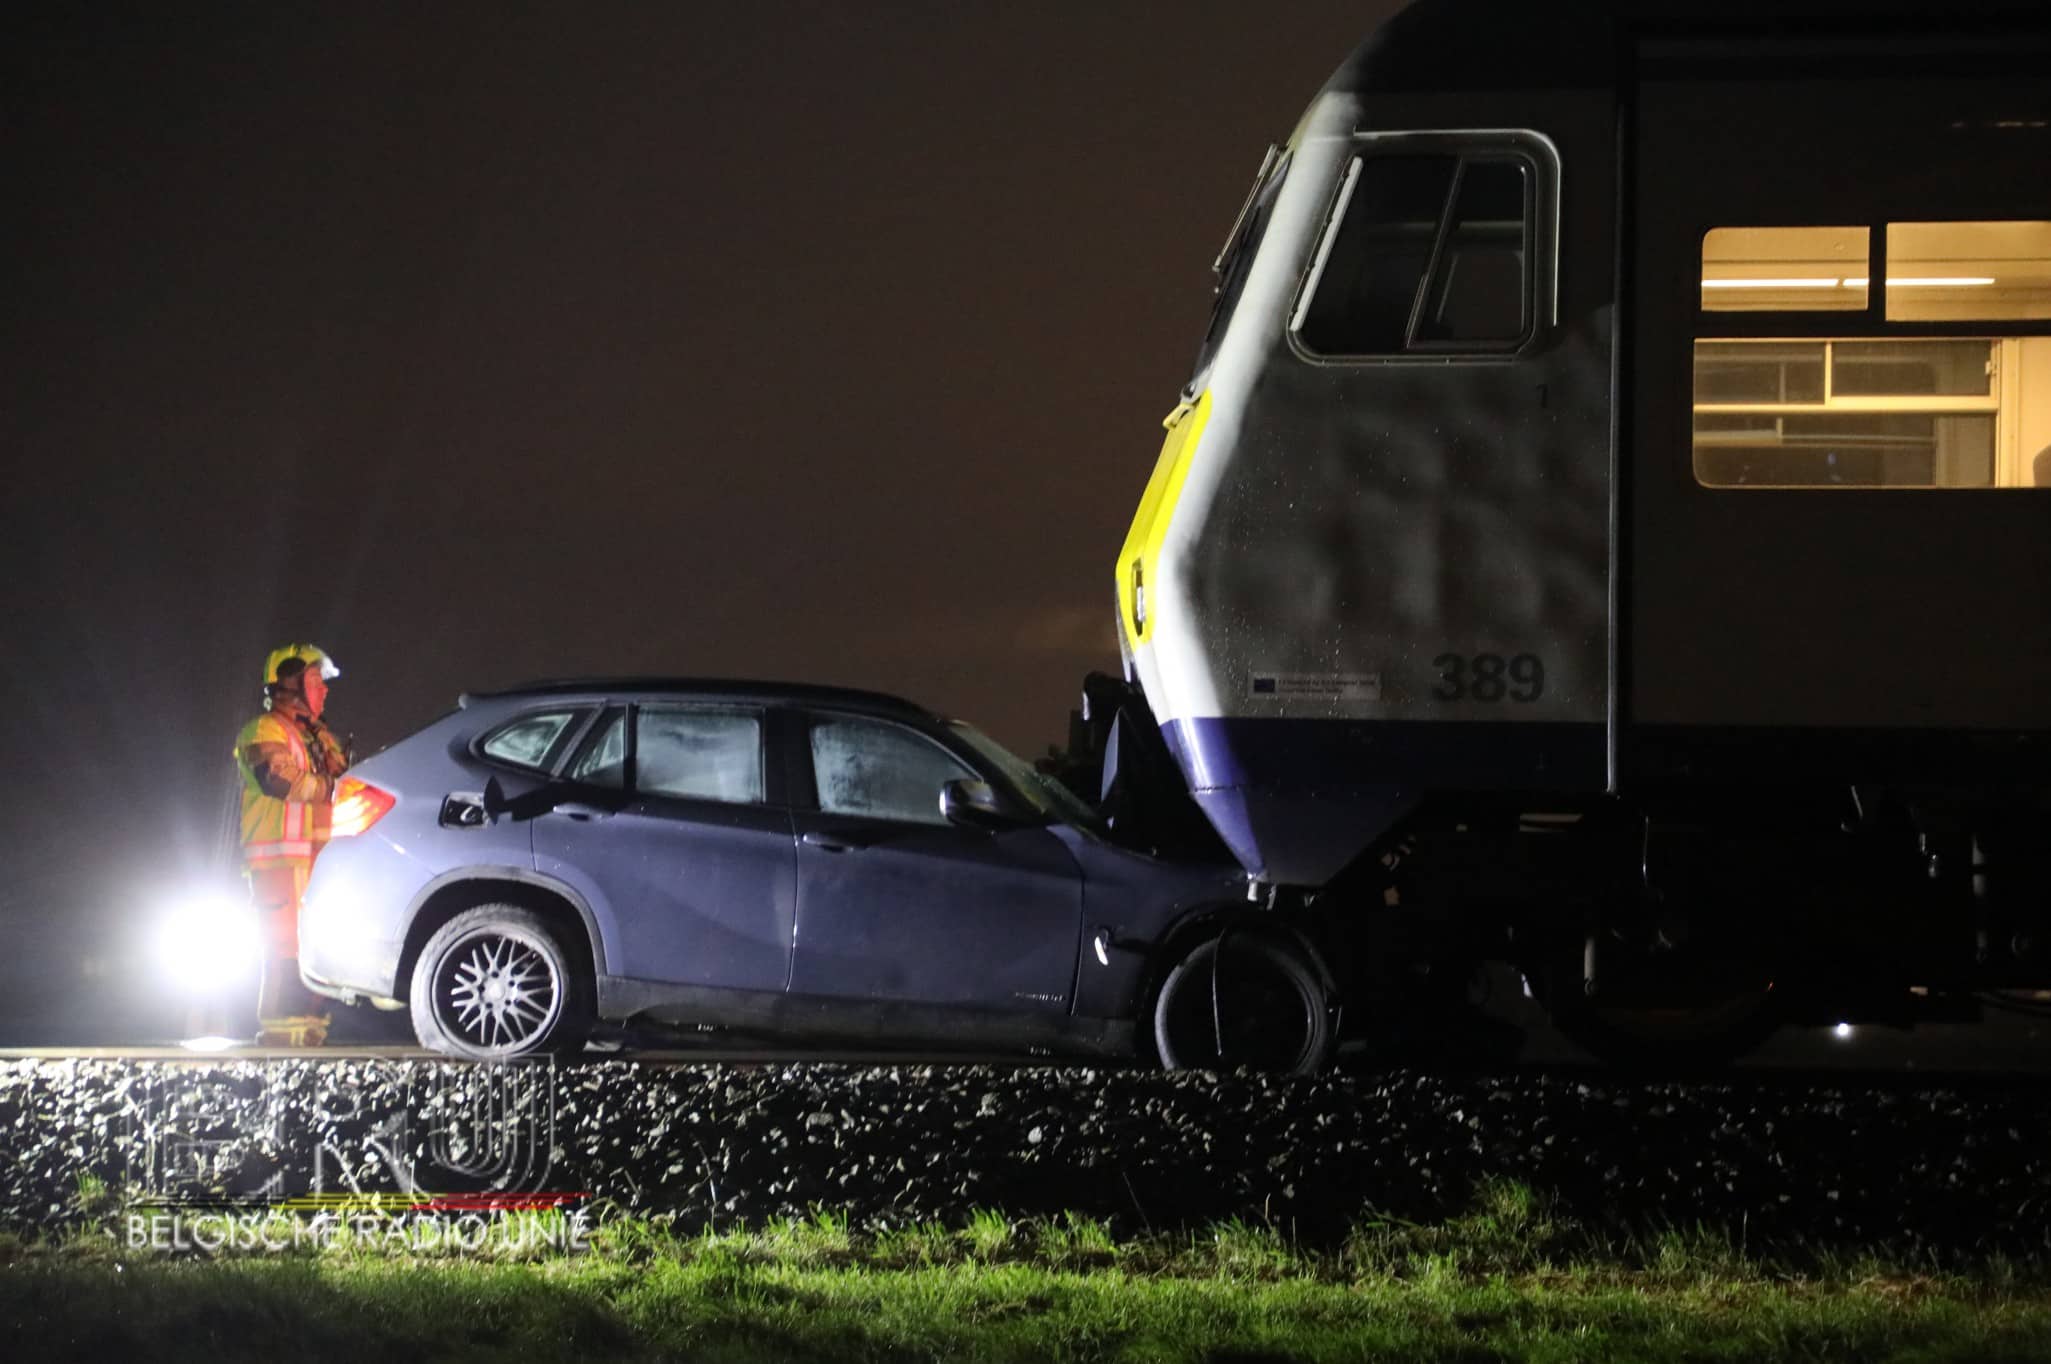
(358, 805)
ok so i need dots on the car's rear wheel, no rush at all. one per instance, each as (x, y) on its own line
(498, 982)
(1261, 1006)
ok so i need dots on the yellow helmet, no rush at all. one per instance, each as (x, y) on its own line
(312, 655)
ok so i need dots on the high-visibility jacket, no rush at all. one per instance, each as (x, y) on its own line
(289, 763)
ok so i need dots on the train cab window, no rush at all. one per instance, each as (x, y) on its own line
(1477, 290)
(1958, 272)
(1235, 262)
(1424, 254)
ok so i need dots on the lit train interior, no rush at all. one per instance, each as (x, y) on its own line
(1948, 401)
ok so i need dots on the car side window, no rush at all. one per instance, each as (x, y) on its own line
(604, 759)
(530, 740)
(699, 754)
(880, 770)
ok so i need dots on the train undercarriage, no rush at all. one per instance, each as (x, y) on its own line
(1679, 924)
(1686, 929)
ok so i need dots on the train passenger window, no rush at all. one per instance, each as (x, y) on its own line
(1912, 368)
(1908, 413)
(1792, 372)
(1785, 269)
(1968, 272)
(1940, 376)
(1427, 253)
(1844, 450)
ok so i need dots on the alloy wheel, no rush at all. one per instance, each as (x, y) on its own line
(498, 992)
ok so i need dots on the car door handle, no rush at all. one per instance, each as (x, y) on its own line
(827, 841)
(577, 809)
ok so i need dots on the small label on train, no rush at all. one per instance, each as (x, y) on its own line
(1318, 686)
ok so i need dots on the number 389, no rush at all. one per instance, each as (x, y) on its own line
(1489, 678)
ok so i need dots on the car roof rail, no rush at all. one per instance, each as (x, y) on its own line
(811, 692)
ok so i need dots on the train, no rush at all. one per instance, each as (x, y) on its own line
(1607, 529)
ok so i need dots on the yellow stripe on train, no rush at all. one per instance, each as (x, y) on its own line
(1139, 561)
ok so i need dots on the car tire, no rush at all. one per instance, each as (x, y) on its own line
(497, 983)
(1270, 1000)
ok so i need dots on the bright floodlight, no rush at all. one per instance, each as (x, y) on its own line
(211, 1042)
(1842, 1030)
(208, 942)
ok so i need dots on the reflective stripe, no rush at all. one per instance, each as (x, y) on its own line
(294, 741)
(276, 829)
(269, 852)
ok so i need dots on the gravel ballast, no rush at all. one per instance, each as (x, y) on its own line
(1949, 1167)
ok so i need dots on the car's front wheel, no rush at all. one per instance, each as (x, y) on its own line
(1260, 1005)
(498, 982)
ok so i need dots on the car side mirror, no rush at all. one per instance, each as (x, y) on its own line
(976, 805)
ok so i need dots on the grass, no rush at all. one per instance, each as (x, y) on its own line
(1510, 1280)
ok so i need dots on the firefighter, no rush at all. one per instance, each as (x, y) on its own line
(290, 761)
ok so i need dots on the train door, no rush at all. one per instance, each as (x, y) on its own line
(1837, 523)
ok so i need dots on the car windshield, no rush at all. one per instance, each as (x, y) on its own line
(1048, 796)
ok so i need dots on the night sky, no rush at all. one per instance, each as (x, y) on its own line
(825, 342)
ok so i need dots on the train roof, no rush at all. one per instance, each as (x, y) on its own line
(1454, 46)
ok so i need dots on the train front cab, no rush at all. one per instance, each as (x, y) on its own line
(1741, 465)
(1372, 563)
